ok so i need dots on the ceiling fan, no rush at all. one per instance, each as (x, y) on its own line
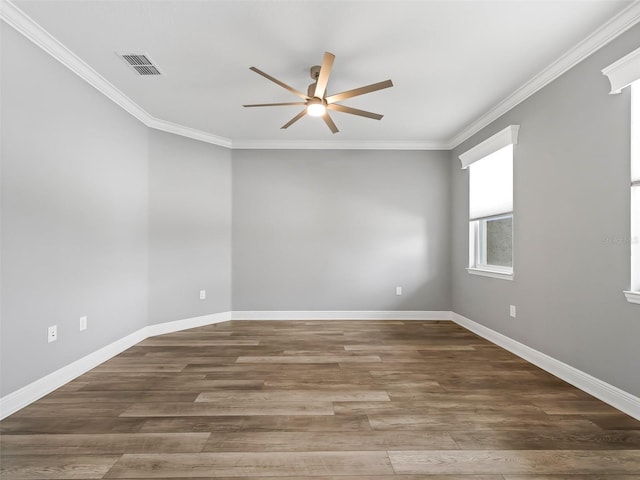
(316, 102)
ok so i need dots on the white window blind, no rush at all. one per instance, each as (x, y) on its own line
(635, 186)
(635, 132)
(491, 184)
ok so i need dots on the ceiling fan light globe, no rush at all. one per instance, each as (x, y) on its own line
(316, 109)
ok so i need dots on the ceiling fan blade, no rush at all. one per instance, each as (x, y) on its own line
(325, 72)
(329, 122)
(354, 111)
(274, 104)
(294, 119)
(278, 82)
(338, 97)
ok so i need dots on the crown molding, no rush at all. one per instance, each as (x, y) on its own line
(338, 145)
(177, 129)
(21, 22)
(619, 24)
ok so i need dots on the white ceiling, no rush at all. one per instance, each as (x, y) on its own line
(450, 61)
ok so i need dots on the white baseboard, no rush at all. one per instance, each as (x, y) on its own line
(614, 396)
(14, 401)
(617, 398)
(177, 325)
(28, 394)
(341, 315)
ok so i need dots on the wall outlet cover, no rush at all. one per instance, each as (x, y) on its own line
(83, 323)
(398, 290)
(203, 294)
(512, 311)
(52, 333)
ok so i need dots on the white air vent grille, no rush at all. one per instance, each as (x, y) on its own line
(134, 59)
(141, 63)
(147, 70)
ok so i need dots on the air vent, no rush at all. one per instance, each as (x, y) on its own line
(141, 63)
(147, 70)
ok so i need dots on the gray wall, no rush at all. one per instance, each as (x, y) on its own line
(571, 227)
(100, 217)
(74, 215)
(189, 227)
(339, 230)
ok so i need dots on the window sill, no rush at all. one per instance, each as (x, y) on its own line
(632, 297)
(490, 273)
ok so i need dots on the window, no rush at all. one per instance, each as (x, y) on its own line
(633, 295)
(490, 167)
(623, 73)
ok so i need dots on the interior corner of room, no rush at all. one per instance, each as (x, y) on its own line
(140, 231)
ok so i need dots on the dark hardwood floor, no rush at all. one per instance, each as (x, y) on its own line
(349, 400)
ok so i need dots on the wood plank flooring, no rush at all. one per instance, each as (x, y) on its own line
(319, 400)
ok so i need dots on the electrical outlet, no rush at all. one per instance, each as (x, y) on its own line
(83, 323)
(512, 311)
(398, 291)
(203, 294)
(52, 333)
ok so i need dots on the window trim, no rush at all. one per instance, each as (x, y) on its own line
(491, 273)
(622, 74)
(505, 137)
(632, 297)
(477, 253)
